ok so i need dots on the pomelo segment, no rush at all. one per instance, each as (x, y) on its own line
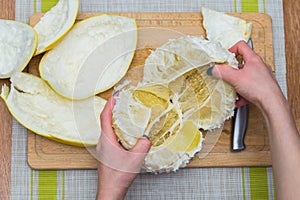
(176, 151)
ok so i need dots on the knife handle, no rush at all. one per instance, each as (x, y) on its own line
(240, 126)
(240, 122)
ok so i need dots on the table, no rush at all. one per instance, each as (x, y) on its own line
(292, 50)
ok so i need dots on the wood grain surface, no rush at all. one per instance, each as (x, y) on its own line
(154, 30)
(292, 47)
(7, 11)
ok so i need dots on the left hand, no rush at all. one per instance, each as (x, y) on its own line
(117, 167)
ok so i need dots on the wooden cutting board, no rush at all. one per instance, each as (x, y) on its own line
(154, 30)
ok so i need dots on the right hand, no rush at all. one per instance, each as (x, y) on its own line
(254, 81)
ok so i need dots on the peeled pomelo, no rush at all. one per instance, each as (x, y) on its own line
(37, 107)
(92, 57)
(17, 45)
(55, 24)
(175, 100)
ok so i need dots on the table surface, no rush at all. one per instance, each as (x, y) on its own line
(292, 50)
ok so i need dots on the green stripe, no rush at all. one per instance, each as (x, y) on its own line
(243, 183)
(47, 185)
(63, 185)
(235, 6)
(31, 184)
(249, 5)
(265, 7)
(258, 183)
(47, 4)
(34, 6)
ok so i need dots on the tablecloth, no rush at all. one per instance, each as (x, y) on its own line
(191, 183)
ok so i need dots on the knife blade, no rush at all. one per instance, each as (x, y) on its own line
(240, 121)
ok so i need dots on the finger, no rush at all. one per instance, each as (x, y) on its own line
(241, 102)
(242, 48)
(143, 145)
(106, 119)
(106, 114)
(226, 73)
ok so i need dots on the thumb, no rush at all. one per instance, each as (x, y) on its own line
(143, 145)
(225, 72)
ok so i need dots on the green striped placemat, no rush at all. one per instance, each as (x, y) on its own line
(201, 183)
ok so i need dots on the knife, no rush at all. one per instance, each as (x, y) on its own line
(240, 121)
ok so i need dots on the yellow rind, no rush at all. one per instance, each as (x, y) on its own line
(55, 42)
(70, 142)
(12, 113)
(4, 95)
(98, 91)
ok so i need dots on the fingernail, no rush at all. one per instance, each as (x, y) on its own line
(145, 136)
(115, 92)
(209, 71)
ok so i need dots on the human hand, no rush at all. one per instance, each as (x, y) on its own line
(117, 167)
(254, 80)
